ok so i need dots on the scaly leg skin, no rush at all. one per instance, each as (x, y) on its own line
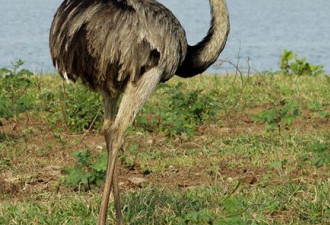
(119, 217)
(110, 105)
(134, 97)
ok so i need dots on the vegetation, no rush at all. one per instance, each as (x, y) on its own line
(291, 64)
(281, 114)
(13, 99)
(212, 150)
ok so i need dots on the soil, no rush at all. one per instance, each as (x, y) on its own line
(43, 154)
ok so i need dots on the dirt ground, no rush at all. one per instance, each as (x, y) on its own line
(38, 155)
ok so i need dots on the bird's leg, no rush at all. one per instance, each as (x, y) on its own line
(119, 216)
(133, 99)
(110, 105)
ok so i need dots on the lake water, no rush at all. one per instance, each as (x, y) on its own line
(260, 30)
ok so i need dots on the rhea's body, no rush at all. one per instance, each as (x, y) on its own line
(107, 43)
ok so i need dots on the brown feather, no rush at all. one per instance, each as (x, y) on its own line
(107, 43)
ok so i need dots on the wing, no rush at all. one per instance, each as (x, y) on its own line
(108, 42)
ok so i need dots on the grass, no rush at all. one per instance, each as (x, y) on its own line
(206, 162)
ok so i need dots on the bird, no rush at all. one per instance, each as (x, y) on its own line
(123, 49)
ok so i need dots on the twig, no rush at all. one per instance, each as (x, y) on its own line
(231, 193)
(89, 128)
(248, 59)
(237, 71)
(63, 104)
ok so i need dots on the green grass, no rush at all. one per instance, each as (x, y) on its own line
(220, 204)
(206, 162)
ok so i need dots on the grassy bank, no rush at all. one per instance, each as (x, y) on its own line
(210, 150)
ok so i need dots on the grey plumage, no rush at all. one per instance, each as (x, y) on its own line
(128, 47)
(106, 43)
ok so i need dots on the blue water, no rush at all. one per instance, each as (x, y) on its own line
(260, 30)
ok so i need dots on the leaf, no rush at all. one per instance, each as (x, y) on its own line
(322, 153)
(25, 72)
(298, 66)
(276, 165)
(75, 176)
(83, 157)
(5, 72)
(285, 58)
(323, 114)
(288, 120)
(101, 164)
(319, 161)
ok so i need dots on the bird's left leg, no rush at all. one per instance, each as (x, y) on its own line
(133, 99)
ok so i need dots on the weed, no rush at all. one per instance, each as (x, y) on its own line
(5, 162)
(298, 66)
(183, 112)
(83, 108)
(280, 115)
(87, 171)
(14, 95)
(79, 108)
(321, 153)
(316, 107)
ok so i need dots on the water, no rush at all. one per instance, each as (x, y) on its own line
(260, 30)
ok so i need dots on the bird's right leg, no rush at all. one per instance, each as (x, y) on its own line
(133, 99)
(110, 108)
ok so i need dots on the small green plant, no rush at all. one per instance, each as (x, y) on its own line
(14, 95)
(79, 108)
(291, 64)
(316, 107)
(199, 106)
(280, 115)
(5, 162)
(87, 172)
(183, 112)
(321, 153)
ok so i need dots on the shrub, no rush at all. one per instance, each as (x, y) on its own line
(88, 171)
(182, 112)
(15, 95)
(78, 107)
(291, 64)
(280, 115)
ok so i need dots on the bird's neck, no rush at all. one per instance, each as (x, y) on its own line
(199, 57)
